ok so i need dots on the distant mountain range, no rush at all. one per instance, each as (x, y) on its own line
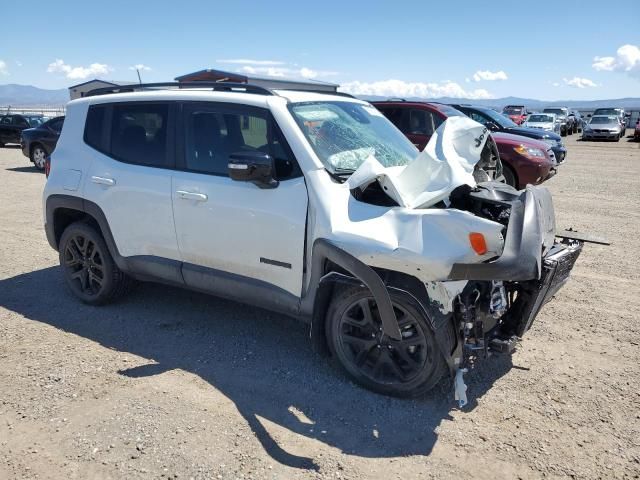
(626, 103)
(26, 95)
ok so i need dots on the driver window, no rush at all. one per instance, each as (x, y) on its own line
(212, 136)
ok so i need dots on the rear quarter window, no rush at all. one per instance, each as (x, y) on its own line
(94, 127)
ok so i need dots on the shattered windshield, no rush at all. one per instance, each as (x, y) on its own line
(345, 134)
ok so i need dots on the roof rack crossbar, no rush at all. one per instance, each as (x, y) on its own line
(215, 86)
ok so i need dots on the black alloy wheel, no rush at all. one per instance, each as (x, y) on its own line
(409, 366)
(84, 264)
(89, 270)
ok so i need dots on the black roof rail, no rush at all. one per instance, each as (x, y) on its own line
(215, 86)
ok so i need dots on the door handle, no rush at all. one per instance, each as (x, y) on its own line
(199, 197)
(109, 182)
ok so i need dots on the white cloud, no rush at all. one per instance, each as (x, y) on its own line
(141, 67)
(489, 76)
(308, 73)
(400, 88)
(556, 84)
(245, 61)
(268, 71)
(18, 63)
(302, 72)
(627, 59)
(578, 82)
(79, 73)
(3, 68)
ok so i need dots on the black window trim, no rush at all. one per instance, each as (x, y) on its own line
(188, 107)
(170, 159)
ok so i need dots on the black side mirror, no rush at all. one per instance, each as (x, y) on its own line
(491, 126)
(256, 167)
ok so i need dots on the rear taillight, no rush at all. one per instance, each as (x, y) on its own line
(47, 165)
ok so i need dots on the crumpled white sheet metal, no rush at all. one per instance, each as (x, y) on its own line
(447, 162)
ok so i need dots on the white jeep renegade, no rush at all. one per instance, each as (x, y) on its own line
(312, 205)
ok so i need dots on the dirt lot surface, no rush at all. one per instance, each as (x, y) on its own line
(169, 383)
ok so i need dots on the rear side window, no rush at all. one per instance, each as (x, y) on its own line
(420, 122)
(139, 133)
(94, 127)
(395, 116)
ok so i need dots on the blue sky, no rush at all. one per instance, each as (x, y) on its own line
(548, 50)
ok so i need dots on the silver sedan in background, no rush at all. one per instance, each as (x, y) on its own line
(603, 126)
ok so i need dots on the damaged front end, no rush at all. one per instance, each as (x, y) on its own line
(426, 228)
(503, 296)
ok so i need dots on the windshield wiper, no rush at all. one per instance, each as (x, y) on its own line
(340, 174)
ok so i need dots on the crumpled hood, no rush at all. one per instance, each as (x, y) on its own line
(447, 162)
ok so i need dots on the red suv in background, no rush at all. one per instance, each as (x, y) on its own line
(517, 113)
(524, 160)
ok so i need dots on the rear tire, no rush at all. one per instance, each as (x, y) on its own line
(88, 268)
(403, 368)
(38, 156)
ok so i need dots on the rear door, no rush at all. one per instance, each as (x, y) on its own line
(236, 227)
(131, 158)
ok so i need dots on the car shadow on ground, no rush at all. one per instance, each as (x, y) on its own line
(31, 169)
(260, 360)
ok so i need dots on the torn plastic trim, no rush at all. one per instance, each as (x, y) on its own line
(522, 254)
(324, 249)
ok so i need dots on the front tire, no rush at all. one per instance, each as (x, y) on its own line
(509, 176)
(88, 268)
(404, 368)
(38, 156)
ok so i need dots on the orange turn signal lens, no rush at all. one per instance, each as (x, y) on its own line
(478, 243)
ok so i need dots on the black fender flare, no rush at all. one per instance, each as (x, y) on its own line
(324, 250)
(89, 208)
(321, 292)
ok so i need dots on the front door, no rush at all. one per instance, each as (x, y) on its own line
(232, 227)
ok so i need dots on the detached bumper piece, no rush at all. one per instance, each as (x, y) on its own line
(556, 268)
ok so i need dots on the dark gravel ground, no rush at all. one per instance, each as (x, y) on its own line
(173, 384)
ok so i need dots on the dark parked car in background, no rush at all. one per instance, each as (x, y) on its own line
(578, 122)
(12, 125)
(523, 160)
(498, 123)
(566, 122)
(37, 143)
(517, 113)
